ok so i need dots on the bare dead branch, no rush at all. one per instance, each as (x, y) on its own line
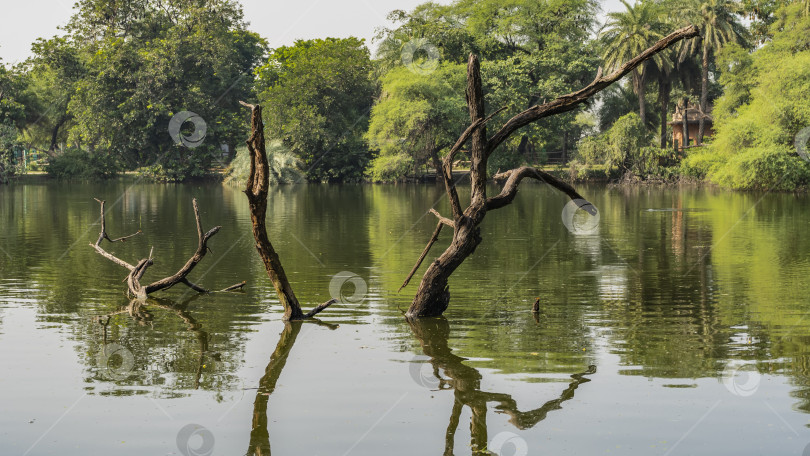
(430, 243)
(442, 218)
(447, 163)
(237, 286)
(137, 272)
(478, 143)
(202, 248)
(572, 100)
(319, 308)
(513, 178)
(103, 235)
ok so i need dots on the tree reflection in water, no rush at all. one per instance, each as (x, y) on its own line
(433, 335)
(138, 310)
(259, 432)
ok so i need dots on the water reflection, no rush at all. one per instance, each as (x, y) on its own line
(259, 431)
(465, 381)
(138, 310)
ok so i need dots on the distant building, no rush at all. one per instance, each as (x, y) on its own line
(693, 121)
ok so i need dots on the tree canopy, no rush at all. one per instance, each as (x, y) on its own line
(318, 94)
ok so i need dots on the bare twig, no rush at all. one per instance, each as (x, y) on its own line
(430, 243)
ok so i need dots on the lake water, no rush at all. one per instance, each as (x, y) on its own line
(679, 327)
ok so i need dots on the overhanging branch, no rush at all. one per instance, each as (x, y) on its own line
(513, 178)
(572, 100)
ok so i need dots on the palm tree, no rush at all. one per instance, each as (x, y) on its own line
(627, 34)
(719, 23)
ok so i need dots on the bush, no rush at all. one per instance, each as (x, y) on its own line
(80, 164)
(180, 164)
(285, 168)
(765, 106)
(389, 168)
(8, 143)
(624, 147)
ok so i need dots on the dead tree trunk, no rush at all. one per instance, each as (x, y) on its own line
(257, 188)
(433, 295)
(137, 271)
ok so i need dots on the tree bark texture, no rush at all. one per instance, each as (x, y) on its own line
(257, 189)
(704, 92)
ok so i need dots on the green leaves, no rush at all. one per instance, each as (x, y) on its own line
(765, 105)
(142, 63)
(317, 96)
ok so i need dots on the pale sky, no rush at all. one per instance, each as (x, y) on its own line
(280, 22)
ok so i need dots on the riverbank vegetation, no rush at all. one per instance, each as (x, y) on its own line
(154, 88)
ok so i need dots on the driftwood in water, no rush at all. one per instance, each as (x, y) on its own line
(433, 295)
(137, 271)
(257, 188)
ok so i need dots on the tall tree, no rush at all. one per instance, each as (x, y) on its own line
(55, 70)
(415, 118)
(12, 116)
(719, 22)
(628, 33)
(148, 60)
(318, 95)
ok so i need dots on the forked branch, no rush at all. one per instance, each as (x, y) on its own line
(137, 272)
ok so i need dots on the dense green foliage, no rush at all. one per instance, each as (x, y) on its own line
(122, 70)
(317, 95)
(106, 90)
(416, 117)
(12, 113)
(77, 163)
(760, 116)
(531, 51)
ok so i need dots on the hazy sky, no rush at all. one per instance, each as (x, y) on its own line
(280, 22)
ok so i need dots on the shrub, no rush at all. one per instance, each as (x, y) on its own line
(389, 168)
(623, 146)
(80, 164)
(285, 168)
(179, 164)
